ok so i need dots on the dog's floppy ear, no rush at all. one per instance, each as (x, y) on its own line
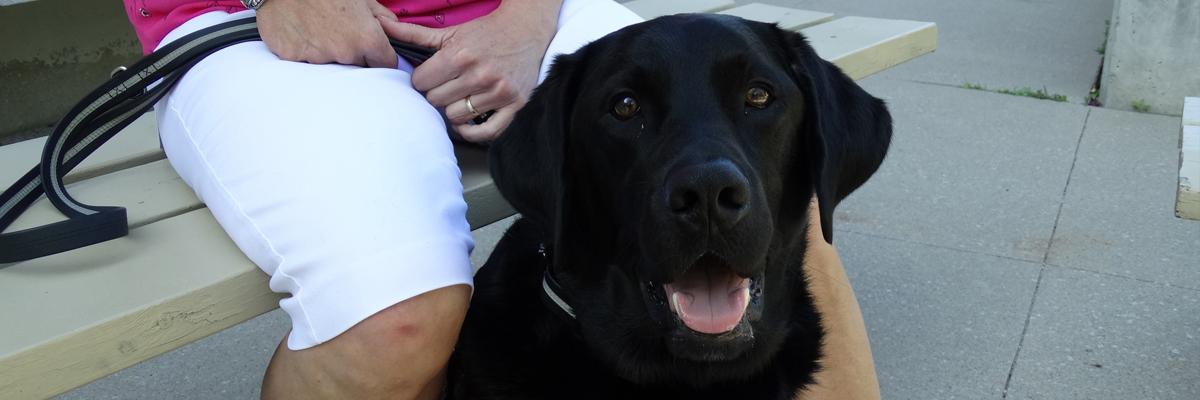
(849, 129)
(527, 160)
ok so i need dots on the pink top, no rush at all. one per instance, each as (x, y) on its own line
(153, 19)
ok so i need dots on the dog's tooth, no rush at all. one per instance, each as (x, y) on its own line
(675, 304)
(746, 297)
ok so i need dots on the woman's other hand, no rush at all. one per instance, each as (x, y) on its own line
(494, 59)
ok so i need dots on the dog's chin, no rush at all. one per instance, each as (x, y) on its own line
(694, 346)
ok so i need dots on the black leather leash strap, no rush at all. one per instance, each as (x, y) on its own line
(102, 113)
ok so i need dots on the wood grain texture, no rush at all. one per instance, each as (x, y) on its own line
(77, 316)
(136, 145)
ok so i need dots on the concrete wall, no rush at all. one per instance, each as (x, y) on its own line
(53, 52)
(1153, 55)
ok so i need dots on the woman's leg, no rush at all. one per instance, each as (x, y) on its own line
(848, 371)
(341, 183)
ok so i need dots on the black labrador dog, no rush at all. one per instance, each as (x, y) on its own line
(664, 175)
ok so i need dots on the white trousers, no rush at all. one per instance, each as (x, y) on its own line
(338, 181)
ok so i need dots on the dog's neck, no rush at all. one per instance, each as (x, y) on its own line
(552, 293)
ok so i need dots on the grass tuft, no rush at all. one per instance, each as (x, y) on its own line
(1100, 50)
(1023, 92)
(1037, 94)
(1140, 106)
(974, 86)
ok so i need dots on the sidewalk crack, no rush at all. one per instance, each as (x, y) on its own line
(1046, 257)
(1062, 200)
(1020, 343)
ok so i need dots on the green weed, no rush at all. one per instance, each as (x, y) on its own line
(1140, 105)
(1100, 50)
(1023, 92)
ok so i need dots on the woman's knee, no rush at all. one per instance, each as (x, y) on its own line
(400, 351)
(430, 319)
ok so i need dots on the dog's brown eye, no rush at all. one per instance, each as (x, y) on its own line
(758, 97)
(626, 108)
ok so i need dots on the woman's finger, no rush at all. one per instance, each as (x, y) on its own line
(381, 11)
(452, 91)
(380, 53)
(458, 112)
(487, 131)
(438, 69)
(413, 33)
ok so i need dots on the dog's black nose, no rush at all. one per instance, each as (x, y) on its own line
(714, 190)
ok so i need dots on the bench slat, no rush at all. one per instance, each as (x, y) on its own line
(863, 46)
(77, 316)
(786, 18)
(1187, 194)
(148, 192)
(650, 9)
(136, 145)
(153, 192)
(199, 278)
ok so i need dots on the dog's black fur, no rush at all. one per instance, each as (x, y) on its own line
(599, 192)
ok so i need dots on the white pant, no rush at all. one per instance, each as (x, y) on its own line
(338, 181)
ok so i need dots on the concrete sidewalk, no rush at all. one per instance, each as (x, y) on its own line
(1009, 247)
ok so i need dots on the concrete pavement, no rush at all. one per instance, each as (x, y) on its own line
(1021, 246)
(1039, 44)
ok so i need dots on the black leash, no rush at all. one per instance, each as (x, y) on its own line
(102, 113)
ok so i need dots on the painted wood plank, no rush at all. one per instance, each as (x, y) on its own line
(786, 18)
(148, 192)
(1191, 111)
(863, 46)
(153, 192)
(136, 145)
(650, 9)
(77, 316)
(81, 315)
(1187, 201)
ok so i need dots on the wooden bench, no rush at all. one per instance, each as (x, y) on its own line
(1187, 200)
(74, 317)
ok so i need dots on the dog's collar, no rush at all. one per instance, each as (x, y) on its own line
(551, 290)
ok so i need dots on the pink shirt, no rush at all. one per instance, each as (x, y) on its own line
(153, 19)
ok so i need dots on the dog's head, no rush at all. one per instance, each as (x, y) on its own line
(672, 164)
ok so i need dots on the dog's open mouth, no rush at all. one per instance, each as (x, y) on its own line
(710, 298)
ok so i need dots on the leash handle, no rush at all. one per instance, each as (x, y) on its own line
(102, 114)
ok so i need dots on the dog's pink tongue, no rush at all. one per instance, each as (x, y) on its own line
(709, 301)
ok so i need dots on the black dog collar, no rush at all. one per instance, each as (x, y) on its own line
(551, 289)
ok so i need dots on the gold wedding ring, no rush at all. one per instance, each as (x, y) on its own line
(471, 107)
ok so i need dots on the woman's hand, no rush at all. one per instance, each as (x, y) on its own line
(494, 60)
(327, 31)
